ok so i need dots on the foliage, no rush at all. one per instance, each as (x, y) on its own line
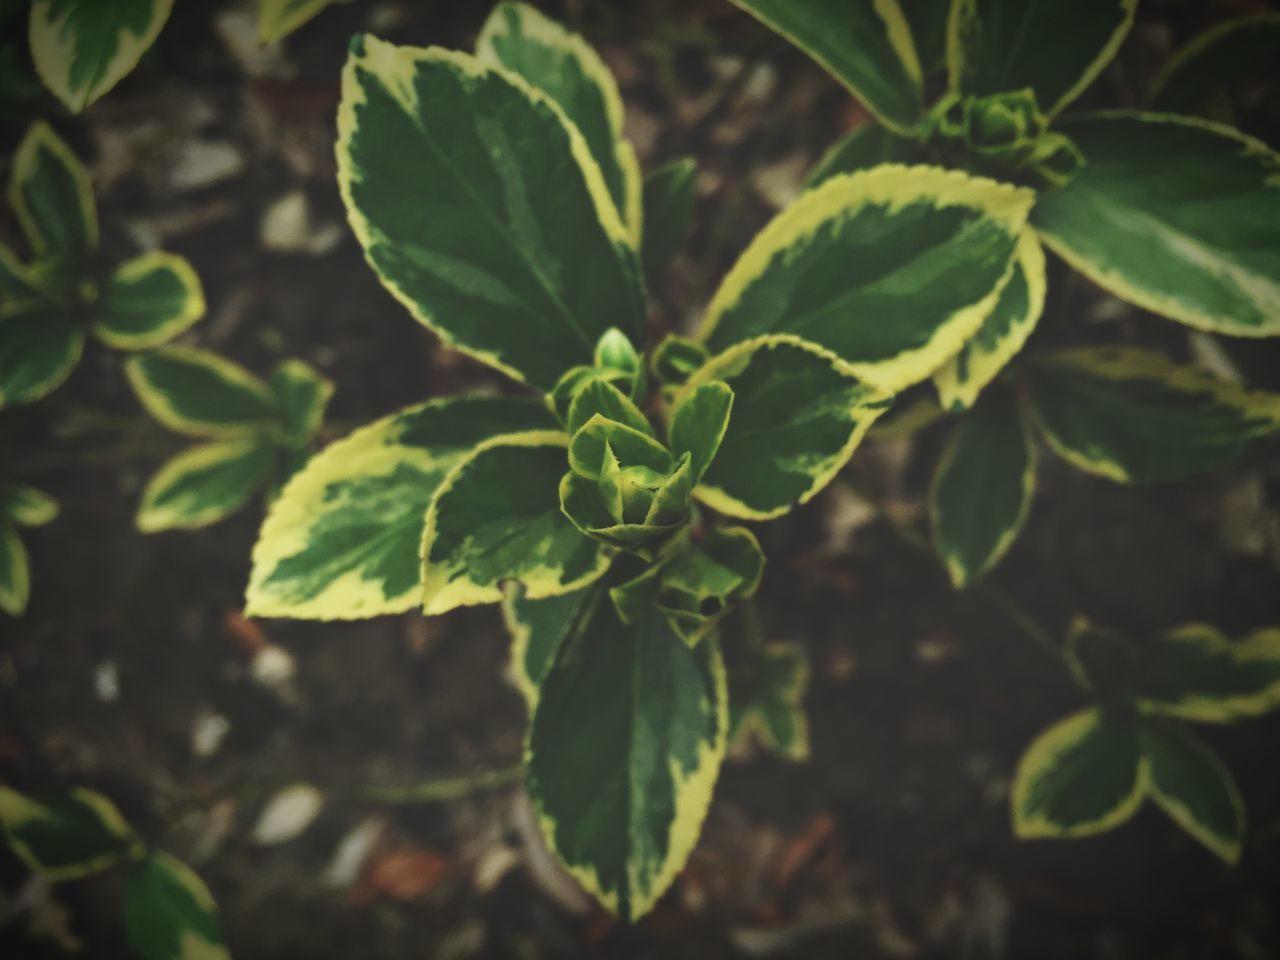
(20, 506)
(1176, 215)
(166, 909)
(49, 304)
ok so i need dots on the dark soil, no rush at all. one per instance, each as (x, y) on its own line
(893, 841)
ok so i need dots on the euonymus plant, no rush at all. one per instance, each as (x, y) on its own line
(1093, 770)
(83, 48)
(167, 911)
(20, 506)
(1177, 215)
(497, 200)
(63, 293)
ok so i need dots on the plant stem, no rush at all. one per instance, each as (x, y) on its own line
(447, 788)
(994, 596)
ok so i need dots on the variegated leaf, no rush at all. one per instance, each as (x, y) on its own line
(766, 700)
(1189, 783)
(169, 913)
(891, 269)
(865, 44)
(53, 198)
(1197, 80)
(148, 301)
(1135, 417)
(38, 350)
(1196, 673)
(205, 483)
(15, 572)
(668, 211)
(797, 418)
(862, 148)
(496, 517)
(302, 395)
(1194, 240)
(199, 393)
(524, 262)
(65, 835)
(341, 541)
(566, 68)
(26, 506)
(279, 18)
(652, 715)
(83, 48)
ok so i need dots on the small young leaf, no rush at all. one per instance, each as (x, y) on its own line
(169, 913)
(26, 506)
(496, 517)
(1102, 660)
(598, 397)
(1193, 240)
(1056, 49)
(677, 358)
(700, 582)
(797, 418)
(38, 351)
(279, 18)
(148, 301)
(652, 714)
(668, 211)
(524, 261)
(983, 487)
(766, 700)
(565, 67)
(1002, 334)
(890, 269)
(632, 448)
(15, 573)
(615, 354)
(862, 148)
(83, 48)
(866, 46)
(698, 423)
(67, 835)
(199, 393)
(1189, 782)
(1195, 673)
(1083, 775)
(1195, 81)
(205, 483)
(1134, 417)
(52, 196)
(342, 539)
(302, 395)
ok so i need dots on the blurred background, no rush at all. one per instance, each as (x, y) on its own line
(134, 673)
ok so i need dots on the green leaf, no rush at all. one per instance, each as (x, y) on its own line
(20, 287)
(66, 835)
(205, 483)
(1134, 417)
(565, 67)
(766, 700)
(865, 44)
(797, 418)
(928, 21)
(1193, 240)
(651, 713)
(341, 541)
(1189, 782)
(1101, 659)
(169, 913)
(15, 573)
(279, 18)
(497, 517)
(1198, 78)
(148, 301)
(199, 393)
(53, 198)
(38, 351)
(598, 438)
(983, 487)
(699, 422)
(891, 269)
(1002, 334)
(1057, 49)
(676, 359)
(700, 583)
(1195, 673)
(83, 48)
(1082, 776)
(862, 148)
(668, 212)
(302, 395)
(539, 627)
(523, 261)
(26, 506)
(614, 354)
(599, 397)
